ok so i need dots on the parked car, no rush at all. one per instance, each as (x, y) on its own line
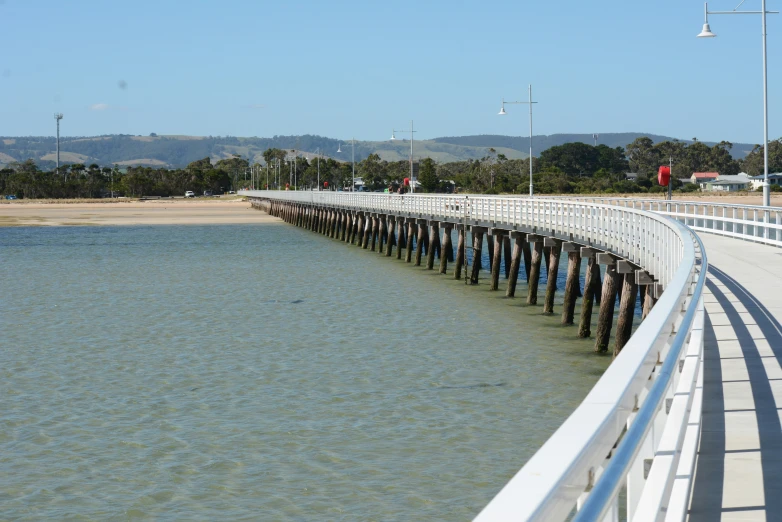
(10, 196)
(208, 193)
(189, 194)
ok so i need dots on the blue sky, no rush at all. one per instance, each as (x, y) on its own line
(343, 68)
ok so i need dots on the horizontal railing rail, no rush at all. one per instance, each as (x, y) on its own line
(630, 412)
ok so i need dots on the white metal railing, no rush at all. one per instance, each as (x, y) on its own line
(648, 397)
(749, 222)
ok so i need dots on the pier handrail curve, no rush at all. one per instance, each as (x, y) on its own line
(556, 479)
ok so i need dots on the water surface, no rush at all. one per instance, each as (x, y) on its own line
(263, 372)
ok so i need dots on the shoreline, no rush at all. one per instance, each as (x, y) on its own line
(48, 213)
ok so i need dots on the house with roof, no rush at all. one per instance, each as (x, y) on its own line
(773, 179)
(701, 178)
(727, 183)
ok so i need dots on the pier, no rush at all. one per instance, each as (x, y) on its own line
(685, 420)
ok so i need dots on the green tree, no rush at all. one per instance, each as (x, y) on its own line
(427, 176)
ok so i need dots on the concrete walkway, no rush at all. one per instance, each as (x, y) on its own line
(739, 469)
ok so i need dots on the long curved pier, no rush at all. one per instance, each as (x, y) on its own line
(685, 421)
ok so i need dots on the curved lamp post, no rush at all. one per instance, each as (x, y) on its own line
(706, 33)
(412, 133)
(503, 113)
(352, 160)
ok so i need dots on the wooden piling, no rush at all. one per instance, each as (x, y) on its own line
(401, 244)
(553, 269)
(624, 323)
(506, 254)
(367, 230)
(515, 263)
(527, 253)
(360, 229)
(534, 273)
(591, 288)
(571, 282)
(410, 240)
(649, 300)
(381, 234)
(605, 318)
(374, 233)
(446, 247)
(497, 259)
(477, 247)
(434, 239)
(457, 270)
(420, 242)
(390, 242)
(490, 245)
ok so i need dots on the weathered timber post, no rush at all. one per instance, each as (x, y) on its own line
(460, 247)
(546, 257)
(319, 220)
(446, 247)
(392, 231)
(624, 324)
(390, 242)
(506, 254)
(434, 240)
(571, 283)
(359, 236)
(410, 240)
(605, 318)
(497, 258)
(381, 233)
(437, 247)
(477, 247)
(591, 289)
(334, 224)
(490, 245)
(420, 242)
(534, 273)
(527, 253)
(374, 233)
(330, 222)
(555, 248)
(345, 227)
(515, 262)
(367, 230)
(400, 226)
(425, 239)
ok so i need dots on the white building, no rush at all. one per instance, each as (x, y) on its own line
(773, 179)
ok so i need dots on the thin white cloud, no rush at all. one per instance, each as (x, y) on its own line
(99, 106)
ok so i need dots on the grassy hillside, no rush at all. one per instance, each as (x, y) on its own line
(178, 151)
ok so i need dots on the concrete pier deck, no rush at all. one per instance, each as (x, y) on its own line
(739, 468)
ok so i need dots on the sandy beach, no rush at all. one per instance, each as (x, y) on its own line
(134, 212)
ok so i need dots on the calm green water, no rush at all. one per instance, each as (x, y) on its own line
(263, 372)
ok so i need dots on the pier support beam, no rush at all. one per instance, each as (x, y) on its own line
(624, 323)
(367, 230)
(496, 263)
(460, 251)
(434, 241)
(515, 263)
(381, 233)
(591, 288)
(477, 248)
(490, 245)
(410, 240)
(506, 254)
(390, 242)
(555, 246)
(401, 244)
(571, 283)
(447, 247)
(534, 273)
(420, 242)
(605, 318)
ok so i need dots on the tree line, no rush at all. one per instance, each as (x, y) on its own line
(569, 168)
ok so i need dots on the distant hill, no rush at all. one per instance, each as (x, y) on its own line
(178, 151)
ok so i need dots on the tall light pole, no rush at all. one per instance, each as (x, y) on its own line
(595, 136)
(352, 160)
(503, 113)
(412, 134)
(706, 33)
(58, 117)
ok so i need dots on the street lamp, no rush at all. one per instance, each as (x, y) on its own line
(352, 160)
(706, 33)
(503, 113)
(412, 133)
